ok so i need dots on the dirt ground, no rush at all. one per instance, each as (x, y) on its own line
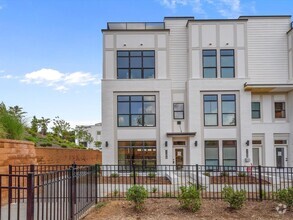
(169, 209)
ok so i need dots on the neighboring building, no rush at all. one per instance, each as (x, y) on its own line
(95, 131)
(191, 91)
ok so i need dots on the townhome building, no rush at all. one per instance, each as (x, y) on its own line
(190, 91)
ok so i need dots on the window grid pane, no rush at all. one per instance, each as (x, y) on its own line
(227, 63)
(135, 64)
(209, 61)
(178, 110)
(255, 110)
(280, 110)
(210, 110)
(229, 110)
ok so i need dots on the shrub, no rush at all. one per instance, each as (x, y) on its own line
(116, 193)
(242, 174)
(11, 126)
(151, 175)
(154, 190)
(132, 174)
(285, 196)
(115, 175)
(236, 198)
(223, 174)
(207, 174)
(189, 198)
(137, 194)
(168, 195)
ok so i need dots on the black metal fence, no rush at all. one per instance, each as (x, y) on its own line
(67, 192)
(54, 194)
(165, 181)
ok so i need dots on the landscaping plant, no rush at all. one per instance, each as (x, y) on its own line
(285, 196)
(151, 175)
(235, 198)
(137, 194)
(189, 198)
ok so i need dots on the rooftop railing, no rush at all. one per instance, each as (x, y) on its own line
(136, 25)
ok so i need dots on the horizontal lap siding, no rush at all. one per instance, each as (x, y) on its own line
(178, 57)
(268, 50)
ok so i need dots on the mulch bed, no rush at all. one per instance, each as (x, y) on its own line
(130, 180)
(235, 180)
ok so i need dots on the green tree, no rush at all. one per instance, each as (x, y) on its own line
(82, 134)
(61, 128)
(17, 112)
(34, 125)
(43, 123)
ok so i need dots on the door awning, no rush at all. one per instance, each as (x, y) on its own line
(266, 88)
(181, 134)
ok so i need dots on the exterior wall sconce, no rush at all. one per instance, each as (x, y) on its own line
(106, 144)
(227, 43)
(195, 143)
(166, 143)
(247, 143)
(141, 44)
(124, 44)
(210, 44)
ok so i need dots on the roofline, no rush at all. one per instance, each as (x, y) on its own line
(265, 16)
(179, 17)
(157, 30)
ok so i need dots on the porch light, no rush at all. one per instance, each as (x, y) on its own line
(247, 143)
(107, 144)
(195, 143)
(166, 143)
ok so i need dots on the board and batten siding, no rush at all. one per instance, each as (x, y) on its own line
(268, 50)
(178, 55)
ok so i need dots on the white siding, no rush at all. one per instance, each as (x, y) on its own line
(178, 57)
(267, 49)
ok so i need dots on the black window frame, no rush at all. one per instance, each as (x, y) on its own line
(228, 113)
(143, 114)
(174, 111)
(229, 159)
(255, 110)
(204, 110)
(283, 110)
(212, 167)
(226, 67)
(129, 68)
(215, 68)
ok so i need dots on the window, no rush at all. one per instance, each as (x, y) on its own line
(136, 111)
(141, 153)
(212, 153)
(136, 64)
(229, 153)
(255, 110)
(209, 63)
(280, 111)
(210, 110)
(228, 110)
(98, 132)
(227, 64)
(178, 110)
(280, 141)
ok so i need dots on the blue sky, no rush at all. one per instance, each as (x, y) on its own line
(51, 50)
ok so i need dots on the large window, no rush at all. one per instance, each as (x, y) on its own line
(255, 110)
(135, 64)
(136, 111)
(142, 154)
(280, 110)
(212, 153)
(210, 110)
(209, 63)
(229, 153)
(228, 110)
(178, 110)
(227, 64)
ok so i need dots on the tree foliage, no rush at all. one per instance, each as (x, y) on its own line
(82, 134)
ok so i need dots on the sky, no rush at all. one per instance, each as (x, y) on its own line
(51, 50)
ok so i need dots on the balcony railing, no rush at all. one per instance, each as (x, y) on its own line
(136, 25)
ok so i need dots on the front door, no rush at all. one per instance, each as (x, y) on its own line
(256, 156)
(179, 157)
(281, 157)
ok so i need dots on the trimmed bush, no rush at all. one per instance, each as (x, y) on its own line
(137, 194)
(115, 175)
(189, 198)
(236, 198)
(285, 196)
(151, 175)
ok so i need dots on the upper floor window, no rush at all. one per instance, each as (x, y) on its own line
(255, 110)
(227, 64)
(135, 64)
(209, 63)
(228, 110)
(136, 111)
(178, 110)
(210, 110)
(280, 110)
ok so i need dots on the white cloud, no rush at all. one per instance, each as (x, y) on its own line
(172, 4)
(58, 80)
(8, 76)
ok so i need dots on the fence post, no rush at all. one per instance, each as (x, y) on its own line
(74, 182)
(260, 183)
(30, 197)
(134, 174)
(70, 194)
(10, 185)
(96, 182)
(32, 168)
(197, 180)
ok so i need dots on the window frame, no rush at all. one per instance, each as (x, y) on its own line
(252, 110)
(227, 146)
(143, 114)
(282, 111)
(174, 111)
(225, 67)
(142, 68)
(222, 113)
(203, 66)
(204, 110)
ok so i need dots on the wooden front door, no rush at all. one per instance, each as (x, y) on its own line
(179, 157)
